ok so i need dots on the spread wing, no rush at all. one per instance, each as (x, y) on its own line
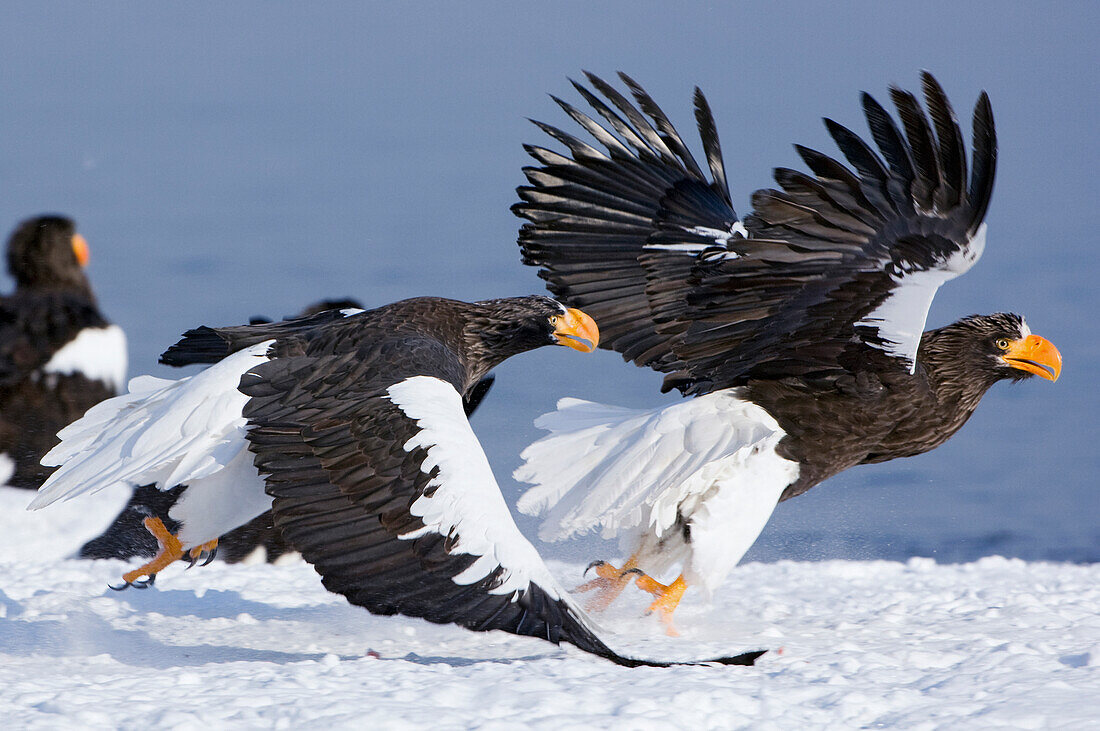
(834, 264)
(380, 483)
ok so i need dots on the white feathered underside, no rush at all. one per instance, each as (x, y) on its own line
(164, 432)
(614, 469)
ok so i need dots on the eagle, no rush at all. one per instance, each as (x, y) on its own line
(350, 426)
(59, 355)
(796, 333)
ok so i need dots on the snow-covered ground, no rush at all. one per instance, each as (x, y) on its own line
(995, 643)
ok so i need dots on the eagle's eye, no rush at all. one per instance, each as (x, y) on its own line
(1002, 343)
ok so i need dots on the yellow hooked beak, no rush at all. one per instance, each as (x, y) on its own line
(576, 330)
(1035, 355)
(80, 249)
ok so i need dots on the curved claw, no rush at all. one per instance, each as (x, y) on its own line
(210, 555)
(608, 584)
(595, 564)
(191, 561)
(144, 583)
(639, 572)
(139, 584)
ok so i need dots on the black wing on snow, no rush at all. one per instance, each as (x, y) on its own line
(331, 445)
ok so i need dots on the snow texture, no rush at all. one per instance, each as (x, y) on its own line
(997, 643)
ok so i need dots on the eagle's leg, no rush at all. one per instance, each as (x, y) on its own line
(209, 549)
(170, 550)
(609, 583)
(666, 597)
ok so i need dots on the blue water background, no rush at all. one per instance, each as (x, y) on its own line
(232, 159)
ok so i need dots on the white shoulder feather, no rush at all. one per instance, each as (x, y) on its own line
(98, 353)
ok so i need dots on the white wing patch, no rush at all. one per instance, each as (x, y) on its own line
(621, 469)
(720, 238)
(686, 248)
(7, 469)
(466, 501)
(97, 353)
(163, 431)
(899, 320)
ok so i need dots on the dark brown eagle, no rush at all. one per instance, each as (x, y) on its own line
(797, 331)
(350, 427)
(58, 354)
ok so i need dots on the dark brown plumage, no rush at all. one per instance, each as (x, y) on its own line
(127, 536)
(799, 325)
(881, 414)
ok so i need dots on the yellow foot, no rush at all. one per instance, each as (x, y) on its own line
(170, 550)
(666, 597)
(609, 583)
(208, 549)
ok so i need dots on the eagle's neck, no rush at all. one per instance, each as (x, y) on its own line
(955, 374)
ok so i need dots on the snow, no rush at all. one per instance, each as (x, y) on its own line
(994, 643)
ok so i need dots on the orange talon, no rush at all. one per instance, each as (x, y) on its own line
(197, 552)
(209, 549)
(609, 583)
(667, 598)
(170, 550)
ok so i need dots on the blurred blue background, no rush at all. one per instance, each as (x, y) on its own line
(232, 159)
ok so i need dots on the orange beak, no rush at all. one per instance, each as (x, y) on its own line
(1035, 355)
(577, 330)
(80, 248)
